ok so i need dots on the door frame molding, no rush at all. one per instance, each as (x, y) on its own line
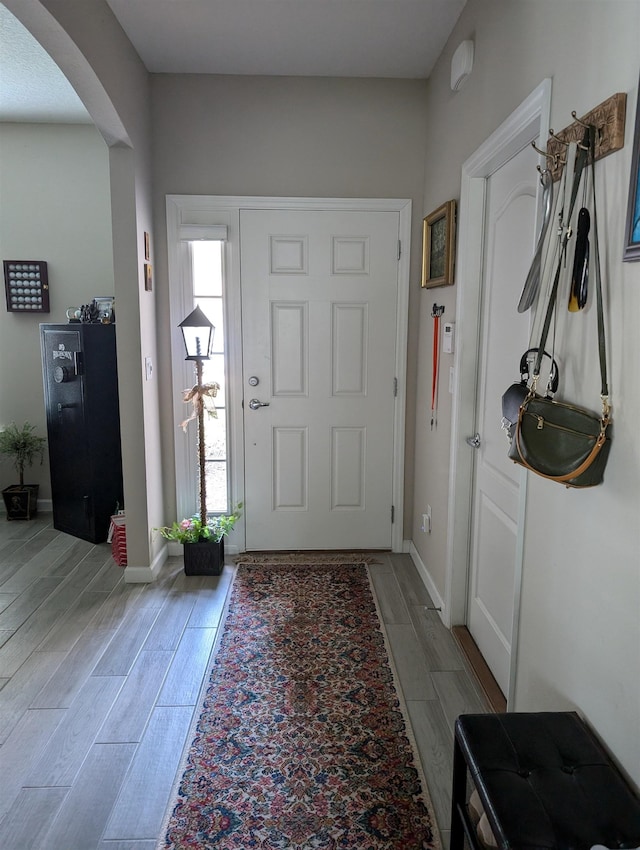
(212, 210)
(527, 123)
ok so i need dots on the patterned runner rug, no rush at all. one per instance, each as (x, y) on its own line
(301, 742)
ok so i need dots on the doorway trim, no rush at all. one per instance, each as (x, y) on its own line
(211, 210)
(527, 123)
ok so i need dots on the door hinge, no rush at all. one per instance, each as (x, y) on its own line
(399, 249)
(393, 514)
(395, 387)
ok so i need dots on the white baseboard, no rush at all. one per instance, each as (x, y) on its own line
(428, 582)
(144, 575)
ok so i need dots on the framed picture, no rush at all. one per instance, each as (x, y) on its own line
(438, 246)
(632, 231)
(27, 286)
(104, 307)
(148, 278)
(147, 247)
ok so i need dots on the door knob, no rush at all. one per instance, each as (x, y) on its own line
(254, 404)
(474, 441)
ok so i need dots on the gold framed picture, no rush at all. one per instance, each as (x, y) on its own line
(438, 246)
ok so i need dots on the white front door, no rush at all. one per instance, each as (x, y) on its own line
(319, 301)
(510, 228)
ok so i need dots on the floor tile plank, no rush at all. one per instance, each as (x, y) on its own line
(130, 712)
(29, 680)
(188, 669)
(435, 743)
(123, 650)
(26, 823)
(412, 586)
(456, 695)
(64, 754)
(28, 601)
(22, 749)
(409, 661)
(122, 599)
(172, 621)
(6, 599)
(69, 628)
(210, 602)
(80, 822)
(68, 679)
(151, 776)
(436, 641)
(392, 606)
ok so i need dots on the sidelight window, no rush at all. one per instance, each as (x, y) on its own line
(208, 293)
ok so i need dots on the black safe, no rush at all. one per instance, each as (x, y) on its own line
(83, 426)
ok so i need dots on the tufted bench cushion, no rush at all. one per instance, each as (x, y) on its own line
(544, 781)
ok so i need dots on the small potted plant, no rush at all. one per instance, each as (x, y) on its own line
(203, 543)
(22, 445)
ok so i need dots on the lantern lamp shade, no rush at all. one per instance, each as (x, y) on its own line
(197, 332)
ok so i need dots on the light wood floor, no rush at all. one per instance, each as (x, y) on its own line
(99, 680)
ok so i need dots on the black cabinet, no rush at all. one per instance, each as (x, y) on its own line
(83, 426)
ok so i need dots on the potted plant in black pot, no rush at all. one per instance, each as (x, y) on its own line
(203, 544)
(22, 445)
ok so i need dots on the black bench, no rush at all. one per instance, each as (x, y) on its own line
(545, 783)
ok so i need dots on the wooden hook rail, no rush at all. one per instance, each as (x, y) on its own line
(608, 119)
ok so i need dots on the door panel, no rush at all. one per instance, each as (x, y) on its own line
(319, 300)
(510, 231)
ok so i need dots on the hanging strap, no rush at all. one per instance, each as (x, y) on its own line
(602, 353)
(436, 313)
(586, 150)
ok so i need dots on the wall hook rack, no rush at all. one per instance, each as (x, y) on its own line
(608, 119)
(556, 160)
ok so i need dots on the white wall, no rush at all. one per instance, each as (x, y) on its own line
(579, 641)
(90, 47)
(54, 206)
(282, 136)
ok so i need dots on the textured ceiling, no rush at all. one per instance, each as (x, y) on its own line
(32, 87)
(345, 38)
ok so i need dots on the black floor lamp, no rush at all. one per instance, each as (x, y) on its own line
(197, 333)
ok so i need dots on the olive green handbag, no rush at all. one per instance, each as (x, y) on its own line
(560, 441)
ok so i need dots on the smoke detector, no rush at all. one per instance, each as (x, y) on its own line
(461, 64)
